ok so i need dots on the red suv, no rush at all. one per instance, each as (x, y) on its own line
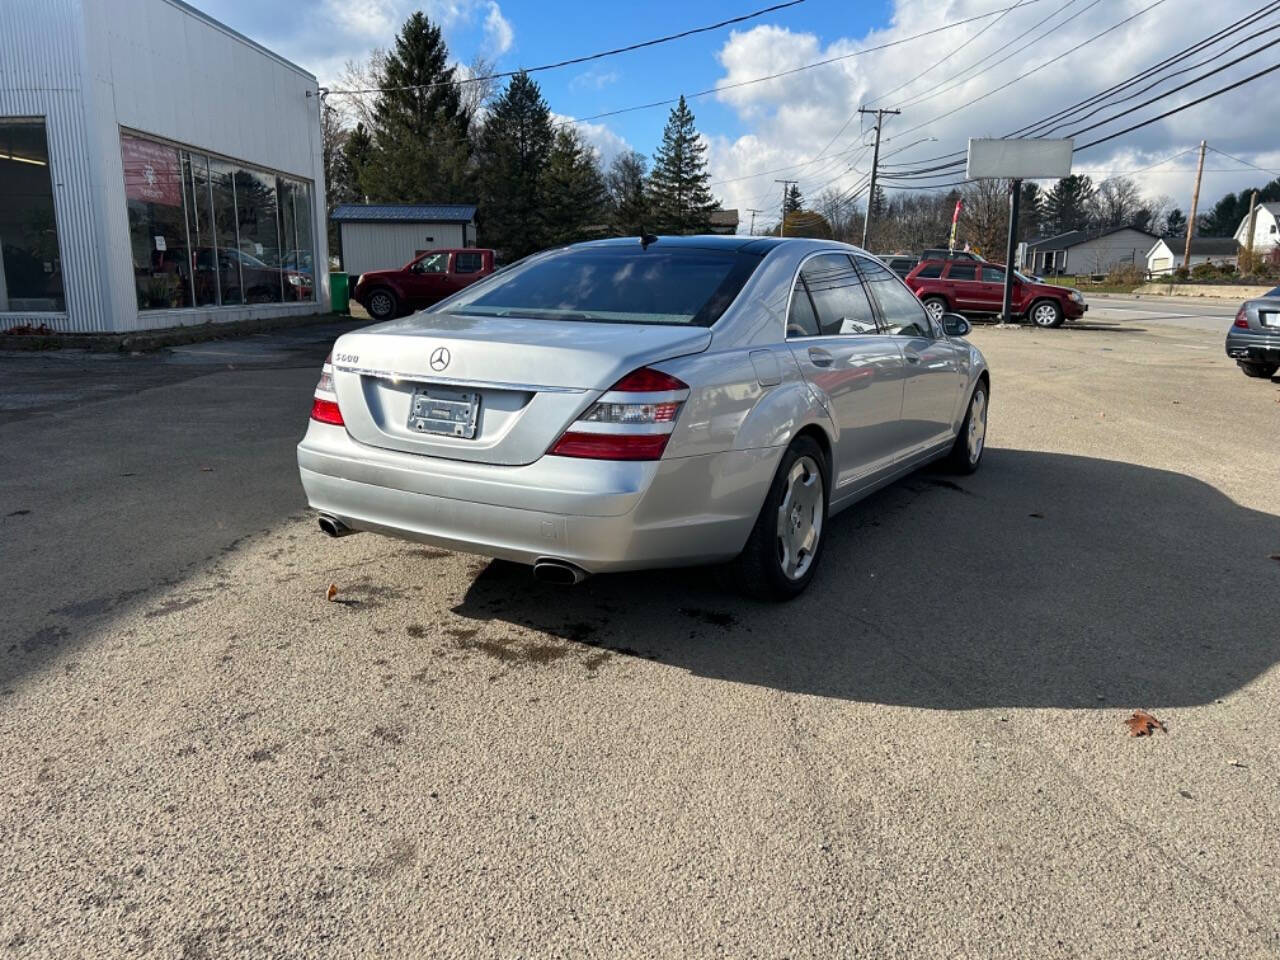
(430, 277)
(968, 286)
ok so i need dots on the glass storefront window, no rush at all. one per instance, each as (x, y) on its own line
(207, 232)
(30, 264)
(157, 224)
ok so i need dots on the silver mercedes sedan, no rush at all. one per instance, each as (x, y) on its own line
(645, 402)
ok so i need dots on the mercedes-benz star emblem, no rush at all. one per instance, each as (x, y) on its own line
(439, 358)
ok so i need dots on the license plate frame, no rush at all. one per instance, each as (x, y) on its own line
(1269, 318)
(443, 411)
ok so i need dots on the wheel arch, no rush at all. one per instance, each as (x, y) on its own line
(820, 437)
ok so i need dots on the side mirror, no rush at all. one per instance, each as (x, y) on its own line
(954, 325)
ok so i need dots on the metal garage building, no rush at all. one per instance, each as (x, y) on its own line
(156, 168)
(382, 236)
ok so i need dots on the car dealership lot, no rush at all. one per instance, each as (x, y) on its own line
(923, 755)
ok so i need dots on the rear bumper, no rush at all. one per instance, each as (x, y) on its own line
(601, 516)
(1250, 345)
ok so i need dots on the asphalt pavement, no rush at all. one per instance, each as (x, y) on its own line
(923, 756)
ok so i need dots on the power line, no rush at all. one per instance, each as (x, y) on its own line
(1239, 160)
(583, 59)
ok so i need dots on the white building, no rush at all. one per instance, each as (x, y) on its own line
(1166, 256)
(1086, 251)
(383, 236)
(156, 168)
(1266, 229)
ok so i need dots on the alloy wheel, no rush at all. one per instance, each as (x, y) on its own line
(977, 424)
(1045, 315)
(800, 518)
(380, 305)
(935, 309)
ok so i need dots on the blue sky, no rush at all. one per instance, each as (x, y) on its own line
(807, 121)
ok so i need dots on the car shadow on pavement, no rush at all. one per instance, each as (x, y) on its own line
(1045, 580)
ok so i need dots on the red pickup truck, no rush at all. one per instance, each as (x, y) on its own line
(968, 286)
(426, 279)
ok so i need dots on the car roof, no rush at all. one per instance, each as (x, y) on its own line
(706, 241)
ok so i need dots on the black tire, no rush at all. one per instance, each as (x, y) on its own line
(962, 458)
(382, 304)
(759, 568)
(932, 305)
(1046, 314)
(1260, 371)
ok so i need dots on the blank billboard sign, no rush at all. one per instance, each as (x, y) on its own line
(1019, 159)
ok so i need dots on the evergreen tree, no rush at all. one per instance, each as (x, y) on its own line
(628, 199)
(575, 204)
(1066, 207)
(1030, 210)
(682, 202)
(421, 149)
(515, 144)
(1175, 224)
(794, 202)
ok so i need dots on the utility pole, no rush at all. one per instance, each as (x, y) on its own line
(753, 211)
(1015, 195)
(1253, 225)
(782, 224)
(1195, 202)
(875, 162)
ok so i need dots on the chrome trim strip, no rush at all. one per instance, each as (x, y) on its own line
(635, 399)
(455, 382)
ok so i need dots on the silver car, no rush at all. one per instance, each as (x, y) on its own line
(644, 402)
(1254, 338)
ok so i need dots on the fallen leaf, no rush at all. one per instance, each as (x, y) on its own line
(1143, 724)
(331, 592)
(1237, 763)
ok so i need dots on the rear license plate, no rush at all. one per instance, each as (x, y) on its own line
(439, 410)
(1269, 319)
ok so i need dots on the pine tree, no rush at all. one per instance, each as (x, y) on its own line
(682, 202)
(1030, 210)
(794, 202)
(1175, 224)
(574, 207)
(1066, 206)
(515, 144)
(421, 149)
(628, 198)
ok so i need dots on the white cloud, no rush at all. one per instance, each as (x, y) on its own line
(790, 119)
(599, 137)
(497, 31)
(594, 80)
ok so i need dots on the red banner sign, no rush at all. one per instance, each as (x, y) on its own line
(152, 172)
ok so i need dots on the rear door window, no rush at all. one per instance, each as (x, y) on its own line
(930, 271)
(901, 311)
(993, 275)
(838, 296)
(468, 263)
(963, 271)
(801, 320)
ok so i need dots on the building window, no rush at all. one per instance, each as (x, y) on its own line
(30, 265)
(206, 231)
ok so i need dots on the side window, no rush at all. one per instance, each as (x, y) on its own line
(930, 271)
(468, 263)
(963, 271)
(992, 275)
(432, 263)
(903, 314)
(801, 321)
(838, 296)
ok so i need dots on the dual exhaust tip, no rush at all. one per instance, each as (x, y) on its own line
(547, 571)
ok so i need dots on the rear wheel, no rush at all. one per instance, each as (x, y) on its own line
(383, 304)
(935, 307)
(971, 441)
(1046, 313)
(785, 545)
(1262, 371)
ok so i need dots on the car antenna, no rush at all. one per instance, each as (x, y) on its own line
(646, 238)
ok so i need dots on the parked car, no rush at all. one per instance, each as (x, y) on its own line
(942, 253)
(900, 265)
(1254, 339)
(633, 403)
(425, 280)
(969, 287)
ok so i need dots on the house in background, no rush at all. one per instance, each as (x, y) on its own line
(724, 221)
(157, 168)
(1087, 251)
(1166, 255)
(383, 236)
(1266, 229)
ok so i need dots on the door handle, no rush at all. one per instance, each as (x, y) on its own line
(911, 357)
(820, 357)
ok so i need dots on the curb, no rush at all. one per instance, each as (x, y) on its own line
(146, 340)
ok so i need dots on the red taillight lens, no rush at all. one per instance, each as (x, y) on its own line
(645, 380)
(326, 411)
(611, 446)
(1242, 319)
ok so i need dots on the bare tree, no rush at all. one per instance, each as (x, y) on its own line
(476, 93)
(1116, 203)
(985, 220)
(364, 78)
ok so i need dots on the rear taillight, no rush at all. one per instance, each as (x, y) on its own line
(324, 406)
(632, 420)
(1242, 319)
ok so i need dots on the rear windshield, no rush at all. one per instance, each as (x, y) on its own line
(623, 284)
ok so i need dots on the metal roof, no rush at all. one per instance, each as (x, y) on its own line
(1076, 237)
(404, 212)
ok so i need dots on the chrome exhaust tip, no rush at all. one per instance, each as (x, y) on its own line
(559, 572)
(334, 527)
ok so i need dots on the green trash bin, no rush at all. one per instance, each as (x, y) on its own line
(339, 295)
